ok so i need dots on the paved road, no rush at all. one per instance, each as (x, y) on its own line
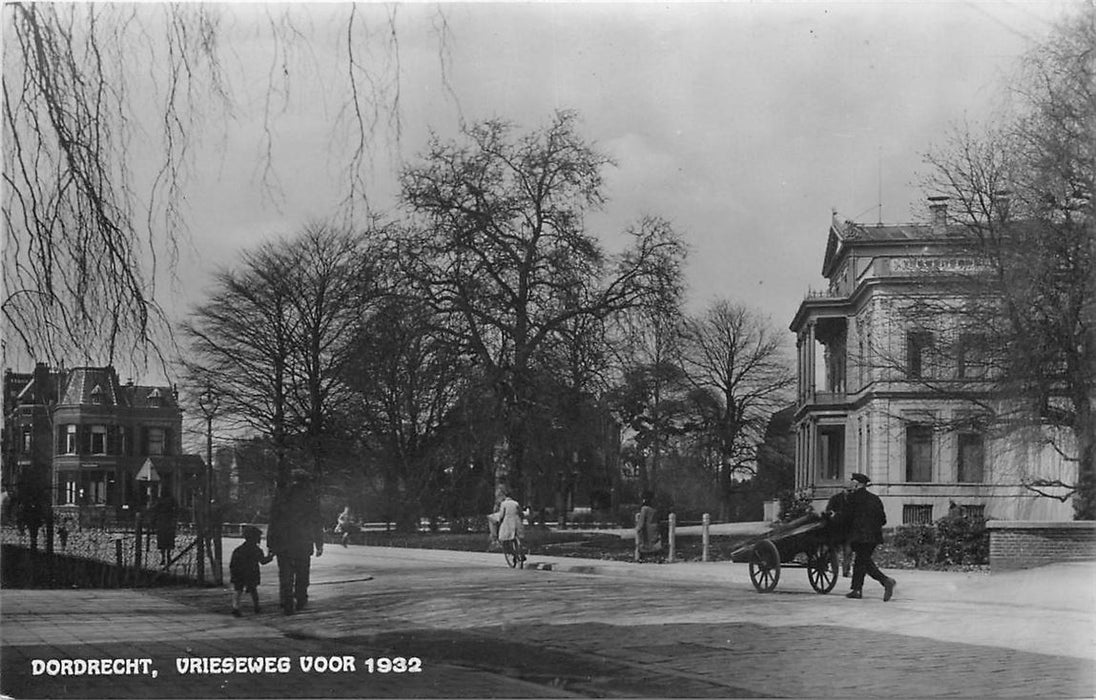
(584, 628)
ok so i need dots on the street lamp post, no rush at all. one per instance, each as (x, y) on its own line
(208, 531)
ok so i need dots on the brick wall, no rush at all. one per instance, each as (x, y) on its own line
(1024, 544)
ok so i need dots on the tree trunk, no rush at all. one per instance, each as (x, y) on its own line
(1084, 499)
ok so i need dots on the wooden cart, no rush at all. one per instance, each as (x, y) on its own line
(806, 543)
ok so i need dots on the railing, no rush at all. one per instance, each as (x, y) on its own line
(131, 552)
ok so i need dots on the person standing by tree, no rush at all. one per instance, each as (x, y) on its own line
(164, 518)
(295, 529)
(647, 534)
(866, 518)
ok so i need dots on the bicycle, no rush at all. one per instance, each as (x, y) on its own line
(514, 550)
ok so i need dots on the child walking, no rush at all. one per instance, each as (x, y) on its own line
(244, 567)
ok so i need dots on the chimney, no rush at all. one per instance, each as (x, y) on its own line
(938, 205)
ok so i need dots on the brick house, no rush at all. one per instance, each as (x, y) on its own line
(93, 443)
(874, 376)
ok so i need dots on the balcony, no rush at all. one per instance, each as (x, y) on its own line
(827, 398)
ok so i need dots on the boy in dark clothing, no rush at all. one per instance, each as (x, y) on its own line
(244, 567)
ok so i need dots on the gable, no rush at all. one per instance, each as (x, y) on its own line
(834, 247)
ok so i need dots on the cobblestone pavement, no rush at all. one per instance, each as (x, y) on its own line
(482, 630)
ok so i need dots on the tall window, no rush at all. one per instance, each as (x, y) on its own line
(70, 439)
(70, 488)
(971, 467)
(156, 441)
(831, 445)
(918, 453)
(918, 346)
(27, 440)
(98, 439)
(971, 357)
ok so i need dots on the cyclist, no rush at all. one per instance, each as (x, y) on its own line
(510, 525)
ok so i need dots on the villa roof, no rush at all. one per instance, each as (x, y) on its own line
(842, 235)
(84, 383)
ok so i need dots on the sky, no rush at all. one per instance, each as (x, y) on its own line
(745, 124)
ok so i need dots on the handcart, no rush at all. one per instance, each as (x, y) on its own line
(808, 543)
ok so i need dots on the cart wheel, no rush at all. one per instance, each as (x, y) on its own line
(765, 566)
(822, 567)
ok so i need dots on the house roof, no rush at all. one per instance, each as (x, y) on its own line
(82, 383)
(844, 235)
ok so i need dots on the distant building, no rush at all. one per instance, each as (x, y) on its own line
(93, 442)
(873, 383)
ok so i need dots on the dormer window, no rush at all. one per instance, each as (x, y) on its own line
(97, 395)
(155, 398)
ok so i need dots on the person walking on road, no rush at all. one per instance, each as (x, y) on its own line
(838, 529)
(511, 528)
(295, 530)
(244, 568)
(865, 520)
(345, 526)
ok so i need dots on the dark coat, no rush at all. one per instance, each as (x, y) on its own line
(866, 518)
(837, 512)
(164, 518)
(244, 565)
(295, 525)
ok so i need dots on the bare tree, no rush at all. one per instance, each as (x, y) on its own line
(406, 382)
(503, 256)
(650, 394)
(276, 337)
(105, 105)
(734, 361)
(79, 272)
(1023, 191)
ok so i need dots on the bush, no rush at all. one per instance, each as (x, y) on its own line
(795, 504)
(961, 540)
(954, 540)
(915, 542)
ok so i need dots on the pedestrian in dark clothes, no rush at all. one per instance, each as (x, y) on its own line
(865, 520)
(243, 567)
(164, 518)
(295, 532)
(838, 527)
(63, 533)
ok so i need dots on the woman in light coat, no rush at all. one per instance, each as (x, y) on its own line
(509, 519)
(647, 534)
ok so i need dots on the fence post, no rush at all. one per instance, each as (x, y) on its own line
(637, 537)
(706, 522)
(673, 536)
(119, 569)
(137, 531)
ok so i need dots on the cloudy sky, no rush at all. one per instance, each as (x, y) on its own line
(744, 124)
